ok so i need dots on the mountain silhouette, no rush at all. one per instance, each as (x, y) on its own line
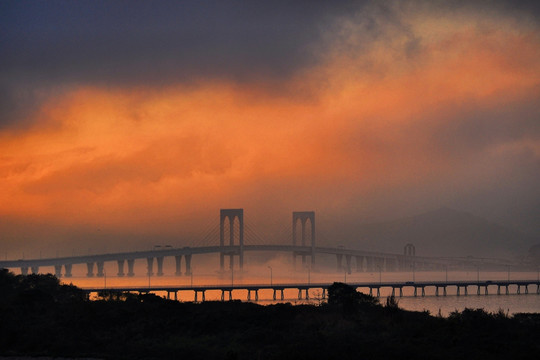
(444, 232)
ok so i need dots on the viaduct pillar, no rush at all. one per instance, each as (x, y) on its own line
(68, 270)
(178, 261)
(58, 271)
(230, 215)
(100, 265)
(159, 260)
(120, 267)
(90, 268)
(131, 263)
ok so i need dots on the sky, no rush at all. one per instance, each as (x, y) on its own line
(130, 123)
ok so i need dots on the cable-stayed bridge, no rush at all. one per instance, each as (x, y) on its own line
(232, 233)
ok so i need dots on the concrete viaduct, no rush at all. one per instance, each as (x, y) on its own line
(303, 247)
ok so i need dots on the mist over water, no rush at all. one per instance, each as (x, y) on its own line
(280, 271)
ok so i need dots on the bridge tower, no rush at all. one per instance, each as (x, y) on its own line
(230, 215)
(303, 217)
(409, 252)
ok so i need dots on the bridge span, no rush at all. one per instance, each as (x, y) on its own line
(364, 261)
(252, 290)
(231, 245)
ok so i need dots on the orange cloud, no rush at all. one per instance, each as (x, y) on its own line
(146, 157)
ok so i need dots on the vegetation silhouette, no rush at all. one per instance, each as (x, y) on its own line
(41, 317)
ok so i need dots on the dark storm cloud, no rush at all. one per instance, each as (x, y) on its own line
(151, 43)
(49, 45)
(85, 40)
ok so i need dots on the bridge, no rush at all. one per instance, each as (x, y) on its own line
(232, 246)
(419, 288)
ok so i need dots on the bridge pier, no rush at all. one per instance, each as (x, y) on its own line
(159, 265)
(68, 270)
(150, 266)
(223, 291)
(399, 264)
(359, 263)
(131, 264)
(188, 264)
(478, 290)
(90, 268)
(24, 270)
(203, 295)
(256, 291)
(178, 259)
(58, 271)
(282, 294)
(306, 291)
(339, 259)
(387, 264)
(120, 267)
(369, 264)
(35, 269)
(404, 265)
(378, 264)
(100, 272)
(348, 263)
(400, 291)
(391, 264)
(423, 293)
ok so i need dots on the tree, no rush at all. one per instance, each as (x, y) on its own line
(347, 298)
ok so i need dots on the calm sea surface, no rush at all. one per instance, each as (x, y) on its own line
(280, 274)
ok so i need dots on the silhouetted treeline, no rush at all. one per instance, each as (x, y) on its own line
(38, 316)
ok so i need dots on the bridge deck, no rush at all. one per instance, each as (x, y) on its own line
(303, 286)
(188, 251)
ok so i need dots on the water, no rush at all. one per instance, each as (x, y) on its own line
(510, 304)
(282, 274)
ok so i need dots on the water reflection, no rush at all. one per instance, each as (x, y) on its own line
(278, 274)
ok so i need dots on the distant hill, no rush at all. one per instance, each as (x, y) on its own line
(444, 232)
